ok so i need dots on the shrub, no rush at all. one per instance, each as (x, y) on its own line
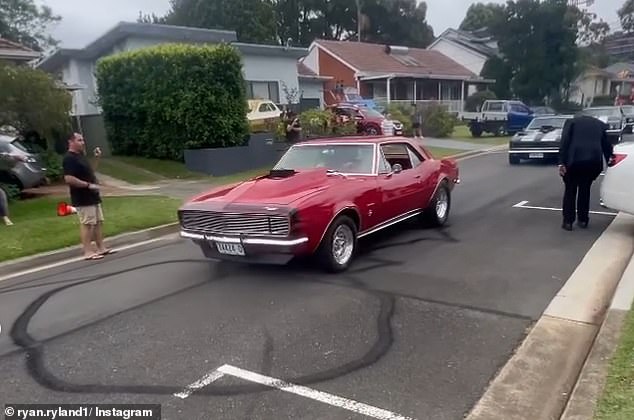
(404, 115)
(438, 122)
(52, 161)
(475, 101)
(318, 123)
(161, 100)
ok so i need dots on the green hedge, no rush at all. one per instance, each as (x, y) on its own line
(438, 122)
(161, 100)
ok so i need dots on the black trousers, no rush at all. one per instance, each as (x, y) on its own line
(578, 182)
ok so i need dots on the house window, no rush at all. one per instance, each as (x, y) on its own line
(264, 90)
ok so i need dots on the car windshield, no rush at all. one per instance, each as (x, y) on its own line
(18, 144)
(538, 123)
(372, 113)
(602, 112)
(345, 158)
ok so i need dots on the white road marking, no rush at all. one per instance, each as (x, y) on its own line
(522, 205)
(77, 259)
(346, 404)
(201, 383)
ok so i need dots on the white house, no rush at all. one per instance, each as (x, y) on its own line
(267, 68)
(469, 49)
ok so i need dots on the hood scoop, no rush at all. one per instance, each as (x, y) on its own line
(281, 173)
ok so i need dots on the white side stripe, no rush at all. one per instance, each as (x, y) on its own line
(201, 383)
(329, 399)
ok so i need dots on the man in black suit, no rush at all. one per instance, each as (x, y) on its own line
(584, 145)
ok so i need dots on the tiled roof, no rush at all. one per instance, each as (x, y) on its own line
(373, 58)
(5, 44)
(476, 41)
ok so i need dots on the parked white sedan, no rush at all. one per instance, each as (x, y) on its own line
(616, 189)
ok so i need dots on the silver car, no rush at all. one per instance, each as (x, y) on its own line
(19, 166)
(613, 116)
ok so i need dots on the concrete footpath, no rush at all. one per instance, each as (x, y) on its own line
(592, 380)
(538, 380)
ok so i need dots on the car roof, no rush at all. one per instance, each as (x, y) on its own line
(354, 140)
(6, 139)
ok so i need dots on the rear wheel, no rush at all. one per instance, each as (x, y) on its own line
(437, 213)
(339, 245)
(476, 130)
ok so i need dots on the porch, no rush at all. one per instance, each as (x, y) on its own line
(419, 91)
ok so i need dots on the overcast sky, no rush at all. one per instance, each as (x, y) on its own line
(81, 24)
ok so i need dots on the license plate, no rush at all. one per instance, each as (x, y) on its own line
(535, 155)
(230, 249)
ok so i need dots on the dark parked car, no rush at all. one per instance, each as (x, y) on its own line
(615, 117)
(540, 140)
(19, 165)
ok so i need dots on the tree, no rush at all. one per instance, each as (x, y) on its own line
(24, 22)
(538, 43)
(480, 15)
(399, 22)
(301, 21)
(496, 69)
(626, 15)
(253, 20)
(31, 100)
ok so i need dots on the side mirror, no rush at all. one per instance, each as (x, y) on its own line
(397, 168)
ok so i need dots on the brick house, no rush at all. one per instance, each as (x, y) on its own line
(390, 74)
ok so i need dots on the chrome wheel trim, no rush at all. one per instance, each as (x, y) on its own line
(342, 244)
(442, 204)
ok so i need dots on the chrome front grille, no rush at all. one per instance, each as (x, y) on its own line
(235, 223)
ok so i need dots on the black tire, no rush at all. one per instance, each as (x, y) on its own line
(372, 131)
(434, 214)
(514, 160)
(326, 251)
(476, 131)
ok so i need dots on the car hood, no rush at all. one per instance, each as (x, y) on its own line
(537, 135)
(273, 190)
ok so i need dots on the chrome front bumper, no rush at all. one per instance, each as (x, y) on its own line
(256, 249)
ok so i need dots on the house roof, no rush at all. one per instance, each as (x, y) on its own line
(168, 33)
(14, 51)
(376, 59)
(303, 72)
(123, 30)
(478, 41)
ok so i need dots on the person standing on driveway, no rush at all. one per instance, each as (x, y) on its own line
(584, 145)
(85, 196)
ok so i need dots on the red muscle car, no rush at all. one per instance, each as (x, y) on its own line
(319, 199)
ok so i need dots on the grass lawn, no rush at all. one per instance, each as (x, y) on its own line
(617, 402)
(461, 132)
(441, 152)
(37, 228)
(137, 170)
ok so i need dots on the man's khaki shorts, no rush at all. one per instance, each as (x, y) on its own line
(90, 215)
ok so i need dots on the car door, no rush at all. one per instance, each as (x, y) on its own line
(519, 117)
(400, 191)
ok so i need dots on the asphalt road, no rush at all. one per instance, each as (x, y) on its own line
(419, 326)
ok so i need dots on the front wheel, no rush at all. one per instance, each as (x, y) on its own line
(339, 245)
(437, 213)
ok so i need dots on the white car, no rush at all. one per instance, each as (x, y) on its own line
(616, 189)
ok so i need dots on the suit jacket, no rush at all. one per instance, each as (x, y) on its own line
(584, 141)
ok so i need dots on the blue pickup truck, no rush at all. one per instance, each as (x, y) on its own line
(498, 117)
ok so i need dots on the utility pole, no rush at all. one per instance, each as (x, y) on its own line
(358, 20)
